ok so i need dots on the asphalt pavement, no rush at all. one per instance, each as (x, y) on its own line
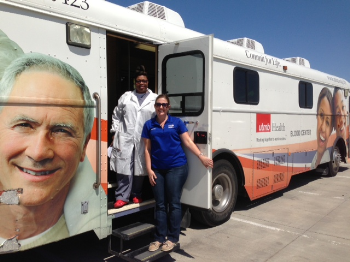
(308, 221)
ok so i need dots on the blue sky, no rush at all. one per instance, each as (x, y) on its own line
(318, 30)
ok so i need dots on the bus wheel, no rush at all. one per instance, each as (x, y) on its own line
(224, 195)
(335, 163)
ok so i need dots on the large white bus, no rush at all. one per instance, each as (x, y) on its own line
(262, 119)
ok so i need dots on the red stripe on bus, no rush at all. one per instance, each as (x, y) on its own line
(104, 130)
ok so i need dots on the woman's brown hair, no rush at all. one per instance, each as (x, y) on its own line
(165, 96)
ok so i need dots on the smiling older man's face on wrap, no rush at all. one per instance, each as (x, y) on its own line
(41, 146)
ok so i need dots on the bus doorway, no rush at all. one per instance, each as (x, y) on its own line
(123, 57)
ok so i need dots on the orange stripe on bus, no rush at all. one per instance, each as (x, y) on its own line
(104, 130)
(105, 187)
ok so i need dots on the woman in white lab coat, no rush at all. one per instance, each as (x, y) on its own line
(128, 154)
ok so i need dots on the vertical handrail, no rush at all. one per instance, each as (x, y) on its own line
(97, 98)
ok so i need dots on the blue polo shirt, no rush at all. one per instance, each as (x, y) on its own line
(166, 150)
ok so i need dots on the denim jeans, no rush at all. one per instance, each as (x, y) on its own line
(167, 193)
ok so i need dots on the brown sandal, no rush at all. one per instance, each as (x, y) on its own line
(154, 246)
(168, 245)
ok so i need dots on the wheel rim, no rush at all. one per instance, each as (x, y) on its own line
(336, 160)
(221, 192)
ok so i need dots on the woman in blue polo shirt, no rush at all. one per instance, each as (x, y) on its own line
(167, 169)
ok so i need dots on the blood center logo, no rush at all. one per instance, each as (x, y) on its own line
(263, 123)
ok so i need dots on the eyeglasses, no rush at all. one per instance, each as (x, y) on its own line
(161, 104)
(141, 81)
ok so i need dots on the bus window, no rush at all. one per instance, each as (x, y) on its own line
(183, 81)
(305, 95)
(245, 86)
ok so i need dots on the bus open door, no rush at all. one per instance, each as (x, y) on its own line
(185, 74)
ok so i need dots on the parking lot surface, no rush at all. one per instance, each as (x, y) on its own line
(308, 221)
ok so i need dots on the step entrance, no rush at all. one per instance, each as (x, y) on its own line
(134, 231)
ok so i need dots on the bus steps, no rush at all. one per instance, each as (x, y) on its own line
(133, 231)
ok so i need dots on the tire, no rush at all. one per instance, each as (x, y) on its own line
(334, 164)
(224, 195)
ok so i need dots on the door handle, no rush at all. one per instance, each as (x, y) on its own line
(191, 122)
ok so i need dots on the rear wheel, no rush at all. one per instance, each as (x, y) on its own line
(224, 195)
(334, 164)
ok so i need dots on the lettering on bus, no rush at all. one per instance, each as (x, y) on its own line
(278, 178)
(279, 160)
(82, 4)
(267, 60)
(300, 133)
(337, 80)
(278, 127)
(262, 163)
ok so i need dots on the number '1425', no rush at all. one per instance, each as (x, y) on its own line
(83, 4)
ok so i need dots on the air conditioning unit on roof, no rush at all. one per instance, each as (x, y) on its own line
(248, 43)
(158, 11)
(299, 61)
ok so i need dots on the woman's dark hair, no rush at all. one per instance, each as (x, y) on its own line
(165, 96)
(140, 71)
(336, 89)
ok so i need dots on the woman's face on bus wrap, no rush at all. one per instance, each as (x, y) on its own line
(324, 125)
(340, 115)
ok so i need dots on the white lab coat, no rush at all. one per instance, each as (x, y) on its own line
(127, 123)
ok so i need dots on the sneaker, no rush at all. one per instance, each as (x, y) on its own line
(119, 204)
(137, 200)
(168, 245)
(154, 246)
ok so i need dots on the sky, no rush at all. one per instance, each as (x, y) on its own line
(317, 30)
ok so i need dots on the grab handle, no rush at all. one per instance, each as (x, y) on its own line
(97, 98)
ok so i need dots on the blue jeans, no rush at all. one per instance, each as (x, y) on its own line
(167, 193)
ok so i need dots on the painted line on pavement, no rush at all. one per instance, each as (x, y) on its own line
(264, 226)
(282, 230)
(309, 193)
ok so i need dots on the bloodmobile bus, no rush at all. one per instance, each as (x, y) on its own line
(262, 119)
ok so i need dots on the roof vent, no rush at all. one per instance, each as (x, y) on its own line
(299, 61)
(158, 11)
(248, 43)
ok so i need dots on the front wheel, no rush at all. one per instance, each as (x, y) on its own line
(224, 195)
(334, 164)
